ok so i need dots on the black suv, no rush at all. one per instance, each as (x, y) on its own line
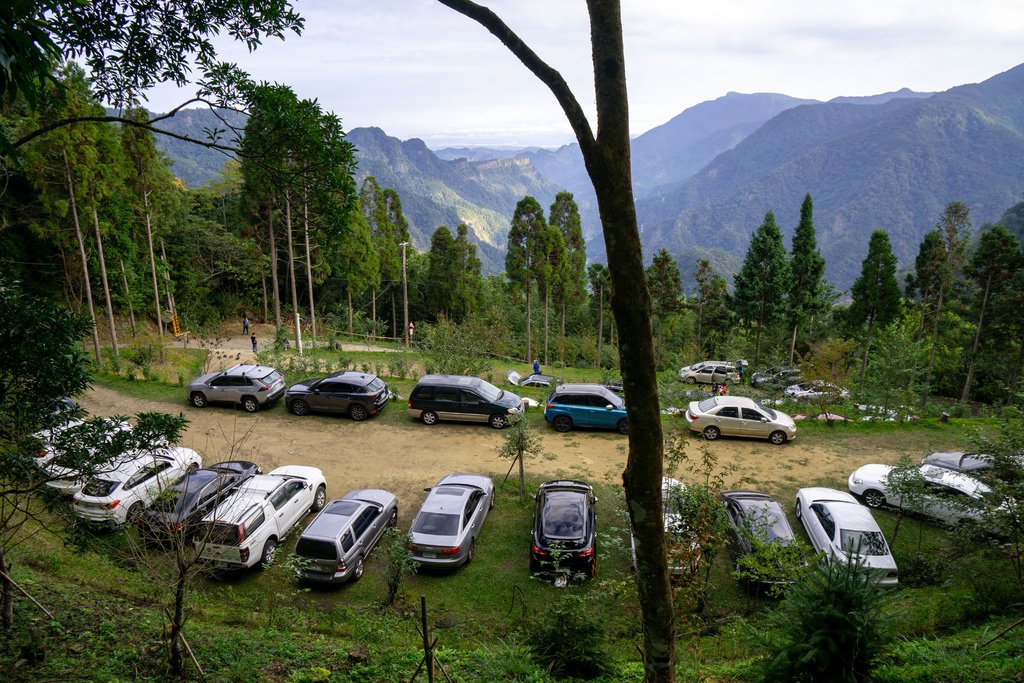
(179, 509)
(564, 529)
(469, 399)
(356, 394)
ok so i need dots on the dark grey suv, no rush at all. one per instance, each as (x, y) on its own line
(250, 386)
(355, 394)
(468, 399)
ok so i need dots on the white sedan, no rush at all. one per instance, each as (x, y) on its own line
(121, 494)
(947, 496)
(811, 391)
(841, 528)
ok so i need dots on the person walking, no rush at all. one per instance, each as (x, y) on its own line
(253, 340)
(245, 324)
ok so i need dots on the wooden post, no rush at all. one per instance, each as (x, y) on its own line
(428, 651)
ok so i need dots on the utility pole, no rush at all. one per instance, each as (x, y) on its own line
(405, 295)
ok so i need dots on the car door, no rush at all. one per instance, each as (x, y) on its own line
(727, 419)
(290, 503)
(447, 403)
(473, 514)
(219, 389)
(706, 375)
(147, 483)
(740, 543)
(752, 422)
(366, 532)
(603, 415)
(474, 408)
(330, 396)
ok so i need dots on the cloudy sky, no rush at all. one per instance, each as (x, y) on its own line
(417, 69)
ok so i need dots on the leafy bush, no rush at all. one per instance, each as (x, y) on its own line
(568, 640)
(829, 628)
(454, 348)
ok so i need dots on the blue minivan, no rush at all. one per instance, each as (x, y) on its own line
(585, 405)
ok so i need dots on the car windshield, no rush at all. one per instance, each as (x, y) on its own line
(769, 411)
(489, 392)
(99, 488)
(863, 542)
(436, 524)
(563, 515)
(707, 404)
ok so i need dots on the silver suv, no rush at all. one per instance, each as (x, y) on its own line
(250, 386)
(334, 546)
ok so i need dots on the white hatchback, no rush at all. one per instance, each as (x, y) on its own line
(121, 494)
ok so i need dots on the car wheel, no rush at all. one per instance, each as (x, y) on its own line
(498, 421)
(269, 550)
(428, 417)
(873, 498)
(799, 510)
(562, 423)
(299, 407)
(250, 404)
(691, 380)
(198, 399)
(592, 569)
(319, 499)
(393, 522)
(357, 572)
(777, 437)
(622, 427)
(711, 433)
(192, 467)
(472, 551)
(358, 413)
(134, 512)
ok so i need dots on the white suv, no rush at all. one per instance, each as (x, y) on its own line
(120, 495)
(245, 529)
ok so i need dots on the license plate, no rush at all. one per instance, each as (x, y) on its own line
(429, 554)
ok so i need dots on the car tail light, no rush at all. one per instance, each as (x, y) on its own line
(113, 504)
(690, 416)
(41, 453)
(265, 387)
(177, 526)
(549, 405)
(535, 549)
(453, 550)
(412, 547)
(586, 553)
(241, 534)
(342, 567)
(410, 403)
(243, 554)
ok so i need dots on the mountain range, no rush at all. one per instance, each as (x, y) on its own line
(705, 179)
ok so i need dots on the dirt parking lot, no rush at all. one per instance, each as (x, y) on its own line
(407, 456)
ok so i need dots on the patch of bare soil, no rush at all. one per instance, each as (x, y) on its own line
(407, 457)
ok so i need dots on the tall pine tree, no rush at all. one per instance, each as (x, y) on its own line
(763, 281)
(808, 291)
(876, 294)
(521, 258)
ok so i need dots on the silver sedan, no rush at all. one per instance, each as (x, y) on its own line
(444, 531)
(739, 416)
(841, 528)
(947, 495)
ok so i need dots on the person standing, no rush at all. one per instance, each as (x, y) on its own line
(253, 340)
(536, 366)
(245, 324)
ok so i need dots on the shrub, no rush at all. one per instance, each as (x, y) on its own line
(568, 640)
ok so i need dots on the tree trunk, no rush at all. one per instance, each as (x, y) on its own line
(931, 353)
(167, 280)
(394, 314)
(351, 330)
(760, 326)
(6, 593)
(266, 311)
(128, 296)
(867, 349)
(547, 302)
(373, 312)
(309, 271)
(152, 268)
(529, 332)
(1016, 370)
(522, 477)
(291, 272)
(176, 654)
(106, 285)
(275, 285)
(85, 261)
(792, 345)
(600, 322)
(977, 339)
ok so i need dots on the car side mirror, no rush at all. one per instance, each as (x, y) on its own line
(764, 419)
(428, 489)
(609, 407)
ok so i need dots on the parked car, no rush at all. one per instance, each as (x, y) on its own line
(444, 531)
(121, 494)
(64, 479)
(812, 391)
(356, 394)
(564, 535)
(179, 509)
(469, 399)
(840, 527)
(739, 416)
(585, 405)
(250, 386)
(246, 527)
(534, 380)
(710, 372)
(951, 497)
(756, 518)
(781, 376)
(682, 547)
(334, 546)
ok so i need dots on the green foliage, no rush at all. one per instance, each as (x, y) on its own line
(568, 639)
(453, 348)
(518, 442)
(399, 561)
(808, 290)
(896, 369)
(761, 285)
(829, 628)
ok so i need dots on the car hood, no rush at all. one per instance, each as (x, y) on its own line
(302, 387)
(509, 400)
(874, 473)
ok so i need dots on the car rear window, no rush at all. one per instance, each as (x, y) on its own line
(316, 549)
(563, 515)
(99, 488)
(220, 533)
(376, 385)
(863, 542)
(436, 524)
(342, 508)
(272, 377)
(707, 404)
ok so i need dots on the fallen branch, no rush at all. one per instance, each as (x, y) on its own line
(25, 593)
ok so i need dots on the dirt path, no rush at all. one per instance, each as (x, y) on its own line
(406, 457)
